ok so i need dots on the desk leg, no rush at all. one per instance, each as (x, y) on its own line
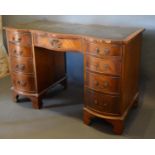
(15, 96)
(87, 117)
(36, 102)
(118, 127)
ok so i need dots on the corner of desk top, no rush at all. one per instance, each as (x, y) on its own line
(133, 35)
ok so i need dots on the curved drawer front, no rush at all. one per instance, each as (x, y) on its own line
(21, 38)
(101, 102)
(20, 51)
(103, 83)
(23, 82)
(23, 65)
(103, 50)
(107, 66)
(56, 43)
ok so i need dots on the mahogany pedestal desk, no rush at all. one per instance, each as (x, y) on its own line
(111, 65)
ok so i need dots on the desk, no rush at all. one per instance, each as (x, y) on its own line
(37, 52)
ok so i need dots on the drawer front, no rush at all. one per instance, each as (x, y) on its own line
(16, 37)
(103, 83)
(101, 102)
(103, 50)
(107, 66)
(20, 51)
(60, 44)
(23, 65)
(23, 82)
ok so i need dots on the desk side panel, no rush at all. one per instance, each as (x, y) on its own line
(130, 72)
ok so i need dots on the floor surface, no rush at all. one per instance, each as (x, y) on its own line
(61, 116)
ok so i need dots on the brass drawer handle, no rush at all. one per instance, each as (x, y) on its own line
(106, 51)
(97, 51)
(21, 83)
(105, 84)
(55, 43)
(16, 40)
(20, 67)
(18, 53)
(95, 101)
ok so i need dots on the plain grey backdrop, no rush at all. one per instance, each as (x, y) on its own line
(75, 61)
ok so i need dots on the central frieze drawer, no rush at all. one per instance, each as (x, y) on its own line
(57, 43)
(23, 82)
(106, 66)
(103, 83)
(23, 65)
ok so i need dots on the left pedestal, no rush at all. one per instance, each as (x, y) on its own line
(21, 60)
(33, 69)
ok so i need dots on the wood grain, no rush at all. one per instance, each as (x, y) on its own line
(111, 65)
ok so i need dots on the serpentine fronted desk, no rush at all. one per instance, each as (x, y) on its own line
(111, 65)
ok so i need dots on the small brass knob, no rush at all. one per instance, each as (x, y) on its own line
(105, 84)
(106, 51)
(106, 66)
(96, 83)
(20, 53)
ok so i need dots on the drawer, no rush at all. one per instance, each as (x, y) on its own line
(48, 41)
(103, 50)
(101, 102)
(106, 66)
(20, 51)
(23, 65)
(23, 82)
(16, 37)
(103, 83)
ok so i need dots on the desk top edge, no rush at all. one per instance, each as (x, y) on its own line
(100, 32)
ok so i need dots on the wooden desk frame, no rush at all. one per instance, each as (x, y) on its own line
(111, 69)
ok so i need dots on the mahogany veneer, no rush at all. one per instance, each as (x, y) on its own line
(111, 65)
(21, 51)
